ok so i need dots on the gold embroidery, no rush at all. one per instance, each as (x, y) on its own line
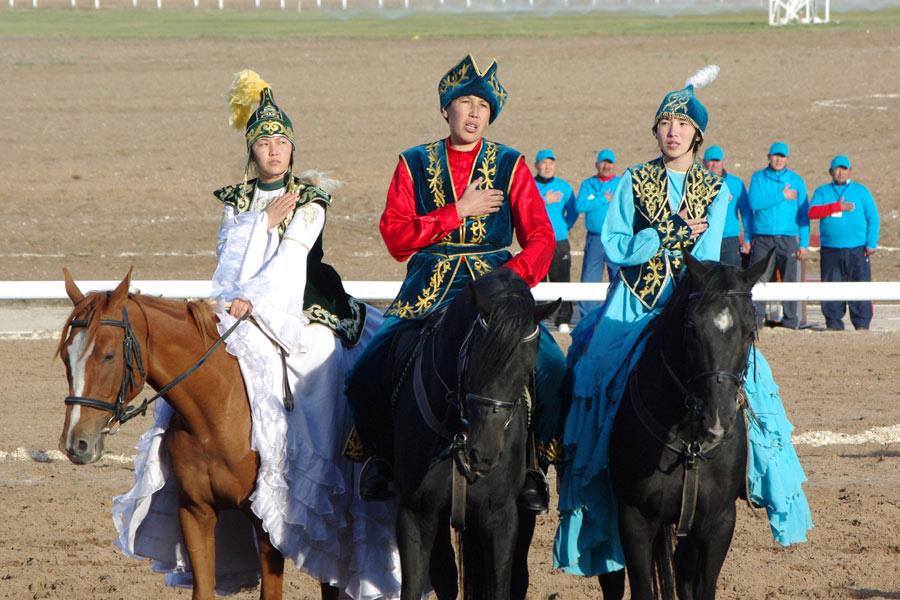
(552, 451)
(264, 128)
(477, 229)
(676, 103)
(349, 327)
(435, 172)
(353, 448)
(479, 265)
(429, 296)
(455, 79)
(499, 90)
(488, 167)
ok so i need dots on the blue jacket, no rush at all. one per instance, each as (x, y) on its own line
(737, 203)
(773, 214)
(592, 201)
(856, 228)
(562, 214)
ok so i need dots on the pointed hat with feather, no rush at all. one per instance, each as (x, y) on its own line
(683, 104)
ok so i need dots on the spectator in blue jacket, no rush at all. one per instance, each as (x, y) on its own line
(780, 222)
(848, 232)
(593, 199)
(739, 218)
(560, 202)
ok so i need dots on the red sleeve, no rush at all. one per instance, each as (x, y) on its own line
(405, 232)
(533, 230)
(820, 211)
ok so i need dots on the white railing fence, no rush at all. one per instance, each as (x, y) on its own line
(387, 290)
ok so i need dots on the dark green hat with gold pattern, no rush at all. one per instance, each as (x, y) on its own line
(465, 79)
(268, 120)
(683, 104)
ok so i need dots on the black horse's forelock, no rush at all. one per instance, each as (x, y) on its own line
(509, 321)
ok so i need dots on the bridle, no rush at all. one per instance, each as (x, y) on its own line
(456, 398)
(692, 402)
(133, 362)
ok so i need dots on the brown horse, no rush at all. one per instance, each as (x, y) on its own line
(114, 343)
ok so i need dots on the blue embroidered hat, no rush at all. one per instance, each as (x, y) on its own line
(682, 104)
(465, 79)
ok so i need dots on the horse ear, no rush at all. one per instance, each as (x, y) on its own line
(120, 294)
(482, 302)
(694, 266)
(759, 268)
(543, 311)
(72, 290)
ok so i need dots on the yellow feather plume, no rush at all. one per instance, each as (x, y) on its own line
(244, 93)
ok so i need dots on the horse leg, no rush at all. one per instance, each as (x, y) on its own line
(520, 578)
(499, 537)
(198, 526)
(271, 562)
(713, 543)
(442, 566)
(637, 536)
(612, 584)
(415, 539)
(329, 592)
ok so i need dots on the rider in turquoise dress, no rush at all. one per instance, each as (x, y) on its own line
(645, 235)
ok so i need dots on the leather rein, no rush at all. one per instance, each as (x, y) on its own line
(133, 362)
(692, 451)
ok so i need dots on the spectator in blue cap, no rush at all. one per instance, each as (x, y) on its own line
(739, 218)
(560, 202)
(848, 230)
(780, 222)
(593, 199)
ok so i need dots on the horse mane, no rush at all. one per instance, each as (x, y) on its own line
(509, 320)
(200, 312)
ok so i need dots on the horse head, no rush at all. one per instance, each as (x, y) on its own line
(719, 326)
(104, 368)
(496, 362)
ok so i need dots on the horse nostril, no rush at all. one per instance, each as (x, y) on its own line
(81, 447)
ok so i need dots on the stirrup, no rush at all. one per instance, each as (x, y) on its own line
(374, 483)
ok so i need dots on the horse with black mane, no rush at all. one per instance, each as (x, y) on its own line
(461, 416)
(678, 452)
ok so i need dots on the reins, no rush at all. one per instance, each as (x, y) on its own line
(693, 452)
(132, 360)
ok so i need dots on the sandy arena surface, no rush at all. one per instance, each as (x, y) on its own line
(114, 146)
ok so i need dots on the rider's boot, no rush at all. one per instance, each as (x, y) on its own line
(375, 478)
(535, 494)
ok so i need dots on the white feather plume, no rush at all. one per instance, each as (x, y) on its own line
(703, 77)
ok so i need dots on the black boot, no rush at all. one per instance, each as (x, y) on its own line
(375, 478)
(535, 494)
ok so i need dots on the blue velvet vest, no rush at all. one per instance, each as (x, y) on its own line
(436, 273)
(650, 188)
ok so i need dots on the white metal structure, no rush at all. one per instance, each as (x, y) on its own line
(387, 290)
(787, 12)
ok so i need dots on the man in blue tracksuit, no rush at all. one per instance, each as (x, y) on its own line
(593, 200)
(780, 222)
(739, 217)
(848, 230)
(560, 202)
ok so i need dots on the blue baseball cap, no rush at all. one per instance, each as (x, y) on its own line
(779, 148)
(606, 154)
(713, 153)
(542, 154)
(840, 161)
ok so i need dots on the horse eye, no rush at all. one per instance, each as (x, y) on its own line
(109, 356)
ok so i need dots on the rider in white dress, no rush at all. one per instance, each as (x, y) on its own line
(305, 326)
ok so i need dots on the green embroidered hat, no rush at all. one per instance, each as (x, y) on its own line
(267, 120)
(683, 104)
(465, 79)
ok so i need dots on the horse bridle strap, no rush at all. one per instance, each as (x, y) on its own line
(132, 351)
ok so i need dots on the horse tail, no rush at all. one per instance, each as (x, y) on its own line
(663, 562)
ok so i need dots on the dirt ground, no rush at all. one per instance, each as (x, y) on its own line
(112, 149)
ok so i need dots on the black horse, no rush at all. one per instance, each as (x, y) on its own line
(461, 413)
(678, 452)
